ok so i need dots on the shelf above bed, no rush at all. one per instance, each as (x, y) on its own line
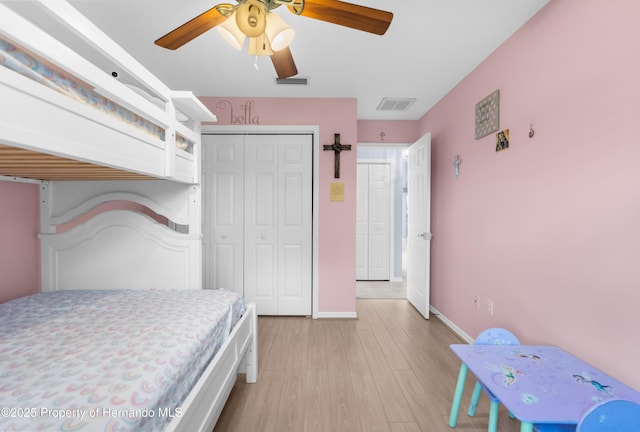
(191, 106)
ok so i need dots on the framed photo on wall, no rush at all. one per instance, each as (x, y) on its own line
(488, 115)
(502, 140)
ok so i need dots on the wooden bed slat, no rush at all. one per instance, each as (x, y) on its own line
(17, 162)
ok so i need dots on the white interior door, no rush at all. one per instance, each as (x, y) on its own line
(419, 224)
(373, 224)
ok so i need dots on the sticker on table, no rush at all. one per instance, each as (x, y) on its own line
(505, 374)
(584, 378)
(533, 357)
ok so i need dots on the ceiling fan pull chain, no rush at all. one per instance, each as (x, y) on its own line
(255, 65)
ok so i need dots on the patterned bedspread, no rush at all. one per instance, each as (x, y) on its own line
(113, 360)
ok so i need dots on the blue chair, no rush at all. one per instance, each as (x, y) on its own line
(614, 415)
(492, 336)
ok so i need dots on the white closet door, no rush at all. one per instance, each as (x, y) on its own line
(261, 222)
(223, 179)
(258, 219)
(373, 230)
(277, 223)
(295, 225)
(379, 211)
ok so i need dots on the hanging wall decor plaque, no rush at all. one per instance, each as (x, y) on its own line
(488, 115)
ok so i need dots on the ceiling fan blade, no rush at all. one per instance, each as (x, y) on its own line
(283, 63)
(347, 14)
(193, 28)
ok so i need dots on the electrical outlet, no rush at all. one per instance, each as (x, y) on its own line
(490, 307)
(476, 302)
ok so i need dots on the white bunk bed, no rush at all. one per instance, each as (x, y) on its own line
(58, 104)
(89, 140)
(124, 249)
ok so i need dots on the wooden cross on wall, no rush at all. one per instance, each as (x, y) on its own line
(337, 148)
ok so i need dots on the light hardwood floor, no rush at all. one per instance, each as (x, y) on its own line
(389, 370)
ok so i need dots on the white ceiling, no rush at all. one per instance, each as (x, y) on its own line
(431, 45)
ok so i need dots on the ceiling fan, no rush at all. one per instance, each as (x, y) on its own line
(268, 35)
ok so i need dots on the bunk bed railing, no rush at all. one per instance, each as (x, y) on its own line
(20, 31)
(178, 162)
(87, 31)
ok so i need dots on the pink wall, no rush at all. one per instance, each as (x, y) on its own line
(20, 251)
(337, 253)
(388, 131)
(550, 228)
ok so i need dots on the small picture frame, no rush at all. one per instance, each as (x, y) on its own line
(502, 140)
(336, 191)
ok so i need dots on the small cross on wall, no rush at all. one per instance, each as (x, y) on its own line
(456, 164)
(337, 148)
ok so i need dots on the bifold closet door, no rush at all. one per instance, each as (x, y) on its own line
(261, 219)
(277, 253)
(223, 219)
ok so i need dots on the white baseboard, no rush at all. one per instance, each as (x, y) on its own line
(457, 330)
(337, 315)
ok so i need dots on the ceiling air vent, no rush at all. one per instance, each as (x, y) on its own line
(395, 104)
(303, 81)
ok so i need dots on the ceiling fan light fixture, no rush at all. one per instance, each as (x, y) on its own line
(251, 18)
(231, 33)
(279, 33)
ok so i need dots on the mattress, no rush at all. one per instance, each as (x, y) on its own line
(112, 360)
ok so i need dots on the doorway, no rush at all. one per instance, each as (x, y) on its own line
(372, 284)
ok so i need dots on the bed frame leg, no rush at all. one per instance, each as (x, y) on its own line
(251, 356)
